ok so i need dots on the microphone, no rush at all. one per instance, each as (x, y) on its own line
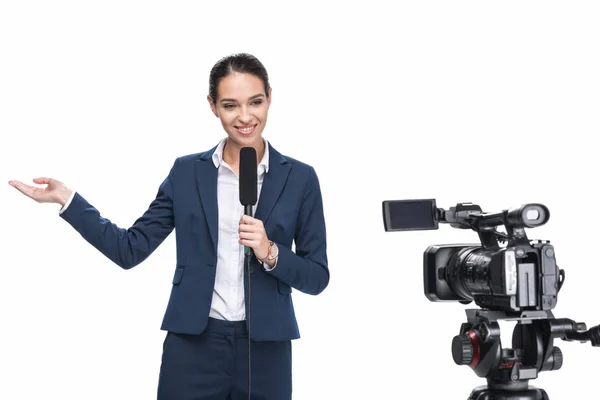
(248, 198)
(248, 181)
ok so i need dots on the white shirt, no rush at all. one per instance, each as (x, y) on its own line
(228, 300)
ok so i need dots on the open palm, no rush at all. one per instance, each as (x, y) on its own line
(54, 192)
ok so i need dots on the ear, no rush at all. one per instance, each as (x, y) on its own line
(213, 107)
(270, 96)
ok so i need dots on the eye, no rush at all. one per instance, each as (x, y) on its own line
(257, 102)
(228, 105)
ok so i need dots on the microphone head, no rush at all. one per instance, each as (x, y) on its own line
(248, 179)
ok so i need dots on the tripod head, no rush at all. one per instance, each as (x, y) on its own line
(509, 370)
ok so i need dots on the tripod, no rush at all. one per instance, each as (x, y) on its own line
(508, 371)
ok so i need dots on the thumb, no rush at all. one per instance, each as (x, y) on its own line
(42, 180)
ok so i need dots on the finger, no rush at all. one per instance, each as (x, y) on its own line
(244, 221)
(250, 243)
(247, 219)
(249, 236)
(249, 228)
(42, 180)
(35, 193)
(23, 188)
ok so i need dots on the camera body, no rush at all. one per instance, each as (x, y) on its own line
(505, 271)
(515, 278)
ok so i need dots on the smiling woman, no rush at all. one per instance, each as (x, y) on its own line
(240, 96)
(206, 348)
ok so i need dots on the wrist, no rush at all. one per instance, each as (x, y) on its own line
(63, 195)
(265, 251)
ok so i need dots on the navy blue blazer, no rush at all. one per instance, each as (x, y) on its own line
(291, 208)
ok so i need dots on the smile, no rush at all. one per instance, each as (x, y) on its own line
(245, 130)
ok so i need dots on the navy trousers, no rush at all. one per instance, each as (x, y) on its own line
(214, 365)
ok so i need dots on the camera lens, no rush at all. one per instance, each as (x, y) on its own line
(468, 272)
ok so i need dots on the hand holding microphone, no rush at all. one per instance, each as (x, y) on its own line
(252, 234)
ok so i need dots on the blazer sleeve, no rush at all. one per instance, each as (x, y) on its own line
(306, 270)
(125, 247)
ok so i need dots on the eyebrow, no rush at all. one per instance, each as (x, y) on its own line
(251, 98)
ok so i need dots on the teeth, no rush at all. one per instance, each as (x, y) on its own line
(246, 130)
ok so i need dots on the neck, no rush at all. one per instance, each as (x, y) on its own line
(231, 152)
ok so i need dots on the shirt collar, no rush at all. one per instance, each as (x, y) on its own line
(263, 166)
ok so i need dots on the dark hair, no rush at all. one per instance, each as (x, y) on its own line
(241, 62)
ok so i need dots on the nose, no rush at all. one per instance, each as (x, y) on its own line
(245, 117)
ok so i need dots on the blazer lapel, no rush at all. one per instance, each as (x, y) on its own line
(273, 183)
(206, 180)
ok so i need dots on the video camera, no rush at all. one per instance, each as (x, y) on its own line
(510, 278)
(519, 276)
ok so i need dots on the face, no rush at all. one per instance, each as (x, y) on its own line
(242, 106)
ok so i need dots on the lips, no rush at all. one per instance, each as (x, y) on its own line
(245, 130)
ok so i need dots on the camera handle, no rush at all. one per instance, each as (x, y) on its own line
(508, 371)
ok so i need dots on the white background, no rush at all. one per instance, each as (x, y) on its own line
(465, 101)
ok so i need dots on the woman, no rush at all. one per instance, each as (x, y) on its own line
(211, 312)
